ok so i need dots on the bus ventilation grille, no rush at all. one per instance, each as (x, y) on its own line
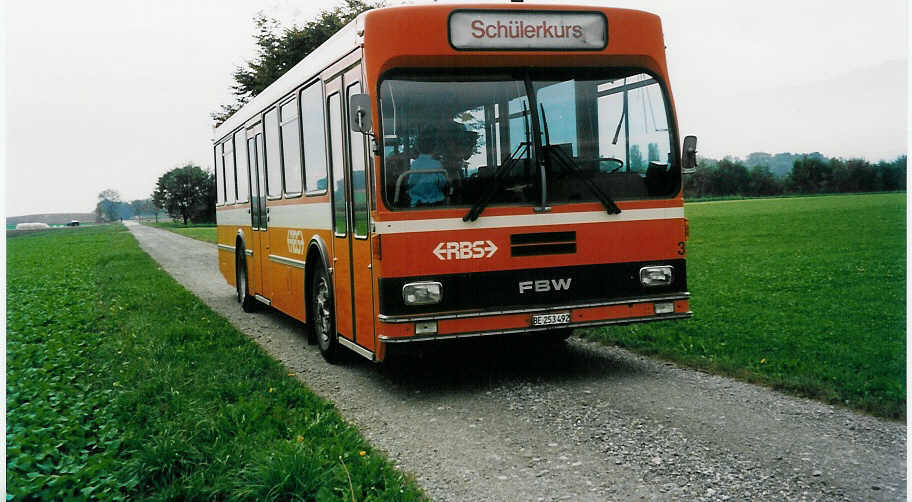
(543, 243)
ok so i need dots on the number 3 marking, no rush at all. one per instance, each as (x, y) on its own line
(682, 249)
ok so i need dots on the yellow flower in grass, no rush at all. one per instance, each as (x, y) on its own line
(362, 453)
(300, 438)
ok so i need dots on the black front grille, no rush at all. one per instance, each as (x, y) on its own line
(543, 243)
(505, 289)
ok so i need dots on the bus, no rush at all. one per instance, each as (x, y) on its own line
(441, 171)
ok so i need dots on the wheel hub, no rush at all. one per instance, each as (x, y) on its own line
(322, 312)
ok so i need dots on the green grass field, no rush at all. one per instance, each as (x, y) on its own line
(201, 232)
(121, 385)
(802, 294)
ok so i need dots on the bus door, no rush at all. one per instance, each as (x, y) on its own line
(259, 220)
(352, 275)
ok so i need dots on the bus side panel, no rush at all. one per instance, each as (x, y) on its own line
(363, 280)
(292, 225)
(226, 257)
(279, 273)
(289, 281)
(231, 221)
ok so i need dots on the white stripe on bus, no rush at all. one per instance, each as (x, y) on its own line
(312, 216)
(527, 220)
(234, 217)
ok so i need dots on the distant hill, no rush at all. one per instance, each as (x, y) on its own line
(51, 219)
(779, 164)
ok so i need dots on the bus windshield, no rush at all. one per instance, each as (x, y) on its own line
(451, 141)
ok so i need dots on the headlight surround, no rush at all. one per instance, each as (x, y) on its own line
(422, 293)
(657, 275)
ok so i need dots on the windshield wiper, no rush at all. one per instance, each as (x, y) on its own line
(565, 161)
(496, 182)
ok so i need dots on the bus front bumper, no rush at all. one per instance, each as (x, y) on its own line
(404, 329)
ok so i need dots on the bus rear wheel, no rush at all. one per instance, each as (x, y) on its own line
(324, 325)
(244, 297)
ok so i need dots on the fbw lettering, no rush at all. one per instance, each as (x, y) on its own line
(544, 285)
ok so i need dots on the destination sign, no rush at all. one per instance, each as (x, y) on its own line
(515, 30)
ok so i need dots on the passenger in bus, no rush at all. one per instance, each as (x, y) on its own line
(426, 189)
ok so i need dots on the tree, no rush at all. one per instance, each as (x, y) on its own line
(699, 184)
(143, 207)
(810, 174)
(893, 174)
(763, 182)
(107, 207)
(278, 49)
(730, 178)
(186, 193)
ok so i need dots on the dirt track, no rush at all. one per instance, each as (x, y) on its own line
(489, 421)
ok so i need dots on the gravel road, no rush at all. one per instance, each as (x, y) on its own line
(489, 420)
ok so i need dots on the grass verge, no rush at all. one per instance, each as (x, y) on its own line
(201, 232)
(726, 198)
(802, 294)
(122, 385)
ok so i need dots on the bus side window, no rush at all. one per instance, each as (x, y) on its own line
(228, 162)
(240, 157)
(340, 216)
(273, 154)
(219, 174)
(312, 130)
(291, 151)
(358, 175)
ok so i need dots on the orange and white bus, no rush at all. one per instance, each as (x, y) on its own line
(444, 171)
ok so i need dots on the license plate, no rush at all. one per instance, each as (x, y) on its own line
(551, 319)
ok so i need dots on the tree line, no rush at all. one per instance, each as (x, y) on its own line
(186, 193)
(809, 174)
(110, 207)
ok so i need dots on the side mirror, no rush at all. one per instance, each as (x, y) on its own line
(359, 113)
(689, 154)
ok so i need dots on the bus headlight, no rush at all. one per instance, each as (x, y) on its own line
(656, 276)
(422, 293)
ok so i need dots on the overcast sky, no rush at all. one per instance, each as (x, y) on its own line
(112, 94)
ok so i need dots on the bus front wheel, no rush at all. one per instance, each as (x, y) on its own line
(324, 325)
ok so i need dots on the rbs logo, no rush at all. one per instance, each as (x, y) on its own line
(464, 250)
(544, 286)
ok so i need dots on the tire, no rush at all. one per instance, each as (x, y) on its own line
(324, 323)
(247, 301)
